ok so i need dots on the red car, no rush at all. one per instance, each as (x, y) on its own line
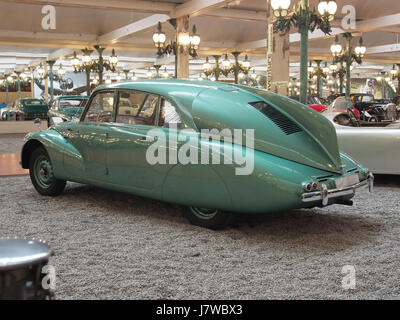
(313, 102)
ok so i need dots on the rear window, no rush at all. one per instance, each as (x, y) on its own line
(33, 102)
(72, 103)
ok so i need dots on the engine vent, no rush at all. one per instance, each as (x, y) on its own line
(283, 122)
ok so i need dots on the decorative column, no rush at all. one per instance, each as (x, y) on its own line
(278, 60)
(182, 39)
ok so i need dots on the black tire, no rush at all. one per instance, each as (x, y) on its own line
(373, 119)
(206, 218)
(4, 116)
(45, 183)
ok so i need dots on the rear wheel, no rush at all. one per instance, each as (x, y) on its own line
(208, 218)
(41, 173)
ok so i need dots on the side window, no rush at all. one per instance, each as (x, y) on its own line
(169, 115)
(101, 108)
(134, 107)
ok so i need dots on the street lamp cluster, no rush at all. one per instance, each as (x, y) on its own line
(304, 20)
(225, 67)
(347, 55)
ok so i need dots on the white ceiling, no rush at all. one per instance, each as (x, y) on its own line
(23, 42)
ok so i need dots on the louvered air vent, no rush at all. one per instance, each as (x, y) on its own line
(283, 122)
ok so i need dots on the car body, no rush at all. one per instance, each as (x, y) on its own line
(296, 160)
(373, 144)
(67, 107)
(28, 109)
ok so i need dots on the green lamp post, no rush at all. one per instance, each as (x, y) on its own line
(159, 40)
(348, 56)
(319, 73)
(87, 64)
(226, 67)
(305, 20)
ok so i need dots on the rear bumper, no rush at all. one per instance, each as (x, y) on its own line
(326, 196)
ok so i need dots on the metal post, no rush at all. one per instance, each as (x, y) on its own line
(157, 67)
(19, 85)
(349, 54)
(6, 92)
(304, 27)
(100, 51)
(236, 66)
(51, 77)
(217, 69)
(87, 70)
(398, 79)
(318, 77)
(383, 88)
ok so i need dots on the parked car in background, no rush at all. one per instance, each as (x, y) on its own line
(28, 109)
(66, 108)
(3, 111)
(126, 140)
(314, 102)
(374, 144)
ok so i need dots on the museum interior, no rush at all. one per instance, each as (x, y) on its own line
(108, 180)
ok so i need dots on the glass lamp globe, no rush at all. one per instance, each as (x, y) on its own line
(246, 63)
(226, 64)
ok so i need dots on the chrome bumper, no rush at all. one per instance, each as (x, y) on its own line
(325, 195)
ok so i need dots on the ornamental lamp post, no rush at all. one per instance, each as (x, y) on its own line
(87, 64)
(192, 42)
(305, 20)
(348, 55)
(226, 66)
(318, 73)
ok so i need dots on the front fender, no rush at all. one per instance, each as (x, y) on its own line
(53, 142)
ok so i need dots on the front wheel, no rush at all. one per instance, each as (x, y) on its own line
(41, 173)
(208, 218)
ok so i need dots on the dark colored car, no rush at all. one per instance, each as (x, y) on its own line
(28, 109)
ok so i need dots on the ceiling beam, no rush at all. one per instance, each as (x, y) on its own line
(238, 14)
(130, 5)
(116, 35)
(378, 23)
(196, 7)
(388, 48)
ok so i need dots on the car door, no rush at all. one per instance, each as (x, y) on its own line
(88, 138)
(136, 114)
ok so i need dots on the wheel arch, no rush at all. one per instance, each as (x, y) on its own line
(27, 150)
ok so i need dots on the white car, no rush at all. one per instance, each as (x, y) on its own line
(376, 145)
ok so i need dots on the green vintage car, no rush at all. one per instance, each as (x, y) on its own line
(28, 109)
(213, 147)
(66, 108)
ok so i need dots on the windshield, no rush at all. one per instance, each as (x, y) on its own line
(32, 102)
(340, 104)
(72, 103)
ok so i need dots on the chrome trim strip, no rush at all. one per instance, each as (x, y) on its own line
(326, 194)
